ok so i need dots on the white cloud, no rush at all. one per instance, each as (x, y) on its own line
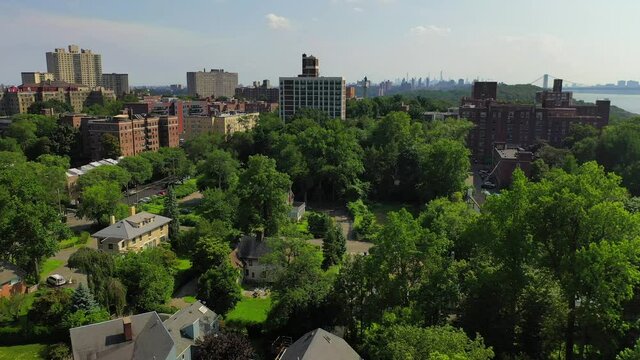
(358, 9)
(278, 22)
(429, 30)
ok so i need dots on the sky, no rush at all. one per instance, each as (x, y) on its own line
(157, 41)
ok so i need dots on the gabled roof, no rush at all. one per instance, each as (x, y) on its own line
(133, 226)
(105, 340)
(320, 345)
(179, 321)
(251, 248)
(9, 272)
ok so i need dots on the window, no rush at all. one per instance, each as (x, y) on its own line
(253, 275)
(110, 246)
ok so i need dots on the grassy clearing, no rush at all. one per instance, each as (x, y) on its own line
(189, 299)
(249, 311)
(303, 225)
(183, 264)
(22, 352)
(48, 266)
(187, 188)
(155, 206)
(67, 243)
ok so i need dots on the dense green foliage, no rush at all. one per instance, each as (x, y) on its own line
(171, 211)
(30, 223)
(224, 346)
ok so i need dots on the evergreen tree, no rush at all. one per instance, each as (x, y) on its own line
(171, 211)
(82, 299)
(334, 246)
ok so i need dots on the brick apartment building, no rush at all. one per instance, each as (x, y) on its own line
(549, 119)
(17, 99)
(258, 92)
(224, 124)
(135, 133)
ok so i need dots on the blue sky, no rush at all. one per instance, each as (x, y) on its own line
(158, 41)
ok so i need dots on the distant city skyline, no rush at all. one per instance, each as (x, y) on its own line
(157, 42)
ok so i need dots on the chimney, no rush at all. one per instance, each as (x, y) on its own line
(557, 85)
(132, 211)
(112, 220)
(126, 327)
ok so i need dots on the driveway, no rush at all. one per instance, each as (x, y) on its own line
(73, 276)
(353, 247)
(188, 289)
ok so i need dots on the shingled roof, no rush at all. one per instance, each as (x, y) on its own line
(9, 272)
(106, 340)
(251, 248)
(133, 226)
(320, 345)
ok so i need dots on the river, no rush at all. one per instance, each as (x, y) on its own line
(629, 102)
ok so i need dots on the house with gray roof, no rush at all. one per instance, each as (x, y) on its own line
(145, 336)
(319, 344)
(137, 232)
(141, 336)
(248, 253)
(190, 324)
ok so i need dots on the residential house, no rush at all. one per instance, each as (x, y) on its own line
(506, 159)
(319, 345)
(137, 232)
(297, 208)
(190, 324)
(247, 255)
(145, 336)
(141, 336)
(11, 280)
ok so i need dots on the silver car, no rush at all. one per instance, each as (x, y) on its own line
(56, 280)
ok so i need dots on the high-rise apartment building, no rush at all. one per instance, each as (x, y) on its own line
(523, 125)
(78, 66)
(119, 83)
(36, 77)
(213, 84)
(311, 91)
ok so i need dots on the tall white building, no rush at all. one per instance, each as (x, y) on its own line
(78, 66)
(311, 91)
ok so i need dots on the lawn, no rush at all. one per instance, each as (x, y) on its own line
(67, 243)
(183, 264)
(249, 311)
(303, 225)
(189, 299)
(156, 206)
(48, 266)
(20, 352)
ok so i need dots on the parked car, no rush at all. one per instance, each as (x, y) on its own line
(162, 193)
(145, 199)
(56, 280)
(488, 185)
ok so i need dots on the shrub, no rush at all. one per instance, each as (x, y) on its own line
(186, 188)
(166, 309)
(59, 351)
(319, 224)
